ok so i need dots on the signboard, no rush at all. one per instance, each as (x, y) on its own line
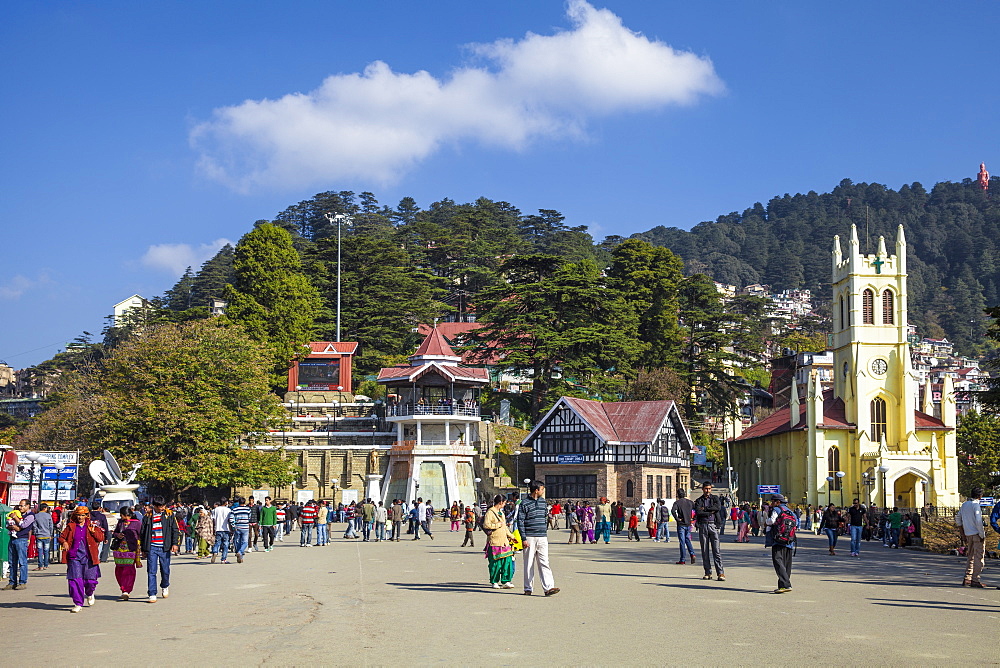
(8, 467)
(318, 375)
(303, 495)
(987, 501)
(348, 495)
(768, 489)
(700, 457)
(569, 459)
(24, 467)
(260, 494)
(66, 480)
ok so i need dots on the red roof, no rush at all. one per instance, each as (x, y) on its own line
(435, 345)
(333, 347)
(450, 329)
(451, 371)
(834, 417)
(623, 421)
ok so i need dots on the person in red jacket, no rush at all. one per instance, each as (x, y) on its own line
(81, 540)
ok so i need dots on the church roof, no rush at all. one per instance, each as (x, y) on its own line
(834, 417)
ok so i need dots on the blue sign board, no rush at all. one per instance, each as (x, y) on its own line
(569, 459)
(50, 473)
(769, 489)
(700, 458)
(987, 501)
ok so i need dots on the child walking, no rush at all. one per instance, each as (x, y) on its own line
(633, 526)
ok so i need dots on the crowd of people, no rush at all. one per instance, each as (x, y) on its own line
(83, 536)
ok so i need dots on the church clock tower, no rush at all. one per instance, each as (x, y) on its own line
(871, 353)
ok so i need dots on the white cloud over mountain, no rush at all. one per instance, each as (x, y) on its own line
(175, 258)
(377, 124)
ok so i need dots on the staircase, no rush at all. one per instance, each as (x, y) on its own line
(494, 478)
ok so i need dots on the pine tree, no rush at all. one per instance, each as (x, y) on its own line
(270, 296)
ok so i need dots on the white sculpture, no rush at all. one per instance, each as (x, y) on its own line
(114, 489)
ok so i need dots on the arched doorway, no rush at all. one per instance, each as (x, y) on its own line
(905, 490)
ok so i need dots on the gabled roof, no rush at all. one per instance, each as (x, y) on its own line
(332, 348)
(450, 371)
(779, 422)
(620, 421)
(834, 417)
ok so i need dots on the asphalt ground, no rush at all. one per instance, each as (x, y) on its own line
(429, 602)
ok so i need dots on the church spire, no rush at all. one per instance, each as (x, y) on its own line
(838, 254)
(901, 250)
(881, 247)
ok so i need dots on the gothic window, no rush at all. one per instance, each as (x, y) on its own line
(629, 489)
(843, 324)
(868, 307)
(833, 465)
(878, 419)
(887, 308)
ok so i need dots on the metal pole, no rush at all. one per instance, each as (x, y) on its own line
(339, 221)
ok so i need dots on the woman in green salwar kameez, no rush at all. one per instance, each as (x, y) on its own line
(499, 553)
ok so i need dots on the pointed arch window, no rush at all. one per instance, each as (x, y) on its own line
(878, 419)
(888, 307)
(833, 465)
(843, 323)
(629, 489)
(868, 307)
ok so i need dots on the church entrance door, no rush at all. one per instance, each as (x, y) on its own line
(905, 491)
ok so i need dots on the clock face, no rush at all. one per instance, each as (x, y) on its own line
(879, 366)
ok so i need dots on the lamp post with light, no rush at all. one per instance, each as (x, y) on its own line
(840, 484)
(53, 547)
(478, 495)
(758, 462)
(517, 471)
(33, 458)
(829, 489)
(883, 469)
(527, 482)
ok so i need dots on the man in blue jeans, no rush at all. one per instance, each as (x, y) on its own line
(239, 519)
(220, 519)
(43, 529)
(20, 522)
(159, 538)
(662, 522)
(682, 511)
(856, 518)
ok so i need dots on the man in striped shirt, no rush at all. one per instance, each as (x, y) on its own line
(159, 538)
(307, 518)
(239, 519)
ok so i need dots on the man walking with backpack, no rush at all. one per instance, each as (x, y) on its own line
(781, 538)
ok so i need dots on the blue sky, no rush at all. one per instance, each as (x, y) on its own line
(136, 137)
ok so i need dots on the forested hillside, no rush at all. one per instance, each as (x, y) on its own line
(406, 264)
(954, 246)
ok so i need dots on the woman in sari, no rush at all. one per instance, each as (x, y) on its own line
(205, 532)
(499, 553)
(603, 528)
(651, 520)
(81, 541)
(125, 548)
(587, 523)
(743, 522)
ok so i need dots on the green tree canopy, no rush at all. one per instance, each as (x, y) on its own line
(978, 445)
(185, 399)
(271, 297)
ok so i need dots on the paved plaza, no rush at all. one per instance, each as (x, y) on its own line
(428, 602)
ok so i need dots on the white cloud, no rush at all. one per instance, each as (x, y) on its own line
(377, 124)
(175, 258)
(15, 286)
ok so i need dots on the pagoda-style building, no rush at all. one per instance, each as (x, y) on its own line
(433, 402)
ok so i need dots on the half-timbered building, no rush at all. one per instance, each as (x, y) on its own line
(630, 451)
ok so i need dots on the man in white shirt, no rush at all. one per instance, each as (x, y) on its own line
(970, 520)
(220, 518)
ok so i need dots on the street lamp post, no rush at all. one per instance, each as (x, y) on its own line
(840, 484)
(883, 469)
(33, 458)
(758, 462)
(527, 481)
(829, 489)
(53, 549)
(517, 471)
(477, 481)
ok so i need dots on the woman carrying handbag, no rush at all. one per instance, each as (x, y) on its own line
(125, 548)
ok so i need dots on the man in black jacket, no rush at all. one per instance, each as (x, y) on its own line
(706, 510)
(682, 511)
(160, 538)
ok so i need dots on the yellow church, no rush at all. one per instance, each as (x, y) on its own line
(865, 438)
